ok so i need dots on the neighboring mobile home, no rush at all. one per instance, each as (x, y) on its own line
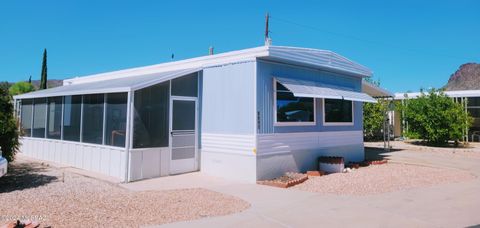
(249, 115)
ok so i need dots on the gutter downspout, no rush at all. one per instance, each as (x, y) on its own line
(128, 135)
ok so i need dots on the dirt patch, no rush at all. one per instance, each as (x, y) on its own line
(382, 178)
(61, 199)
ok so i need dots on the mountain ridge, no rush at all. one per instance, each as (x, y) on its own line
(467, 77)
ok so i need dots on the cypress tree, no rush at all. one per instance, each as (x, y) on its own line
(43, 81)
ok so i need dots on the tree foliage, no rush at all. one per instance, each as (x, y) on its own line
(20, 88)
(373, 117)
(436, 118)
(9, 132)
(43, 79)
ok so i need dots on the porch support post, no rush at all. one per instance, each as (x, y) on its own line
(128, 134)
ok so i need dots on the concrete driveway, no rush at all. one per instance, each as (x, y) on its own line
(445, 205)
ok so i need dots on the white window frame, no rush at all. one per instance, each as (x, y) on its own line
(339, 123)
(282, 124)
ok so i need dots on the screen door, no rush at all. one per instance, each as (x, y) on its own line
(183, 135)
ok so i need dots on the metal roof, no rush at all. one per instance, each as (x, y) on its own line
(134, 78)
(455, 93)
(109, 86)
(301, 88)
(313, 58)
(322, 59)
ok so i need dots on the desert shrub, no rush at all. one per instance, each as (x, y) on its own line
(373, 117)
(9, 132)
(436, 118)
(20, 88)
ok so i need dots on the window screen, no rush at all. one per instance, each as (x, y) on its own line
(54, 118)
(185, 86)
(26, 117)
(92, 127)
(39, 117)
(116, 118)
(151, 111)
(71, 118)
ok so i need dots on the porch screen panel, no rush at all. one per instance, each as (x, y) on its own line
(71, 118)
(54, 118)
(116, 118)
(26, 117)
(473, 106)
(92, 127)
(39, 117)
(185, 85)
(151, 111)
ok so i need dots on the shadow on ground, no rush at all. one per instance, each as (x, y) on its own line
(22, 176)
(452, 145)
(375, 153)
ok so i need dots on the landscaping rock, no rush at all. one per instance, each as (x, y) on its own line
(288, 180)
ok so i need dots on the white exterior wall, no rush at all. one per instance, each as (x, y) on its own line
(278, 153)
(230, 156)
(227, 134)
(149, 163)
(106, 160)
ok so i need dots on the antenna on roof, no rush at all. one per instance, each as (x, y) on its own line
(268, 41)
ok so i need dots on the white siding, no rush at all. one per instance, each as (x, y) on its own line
(232, 144)
(298, 152)
(280, 143)
(106, 160)
(149, 162)
(229, 156)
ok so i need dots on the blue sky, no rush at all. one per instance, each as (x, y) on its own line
(408, 44)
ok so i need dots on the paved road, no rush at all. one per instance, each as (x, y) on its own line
(446, 205)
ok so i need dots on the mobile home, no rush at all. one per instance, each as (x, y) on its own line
(249, 115)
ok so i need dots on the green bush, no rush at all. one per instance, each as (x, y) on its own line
(20, 88)
(373, 117)
(436, 118)
(9, 132)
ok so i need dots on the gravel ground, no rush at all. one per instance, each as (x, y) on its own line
(381, 179)
(64, 199)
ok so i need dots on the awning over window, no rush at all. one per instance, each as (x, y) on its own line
(125, 84)
(301, 88)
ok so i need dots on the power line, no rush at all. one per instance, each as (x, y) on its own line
(410, 50)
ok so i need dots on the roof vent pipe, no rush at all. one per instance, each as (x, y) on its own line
(210, 50)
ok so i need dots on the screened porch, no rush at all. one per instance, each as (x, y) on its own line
(107, 121)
